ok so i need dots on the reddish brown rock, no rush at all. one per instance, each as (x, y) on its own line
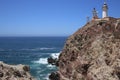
(93, 52)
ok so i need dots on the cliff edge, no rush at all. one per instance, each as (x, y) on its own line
(14, 72)
(91, 53)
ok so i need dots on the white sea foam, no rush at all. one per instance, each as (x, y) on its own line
(55, 55)
(46, 78)
(37, 49)
(44, 60)
(45, 48)
(41, 61)
(51, 66)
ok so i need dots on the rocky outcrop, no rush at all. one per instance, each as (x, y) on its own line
(92, 53)
(14, 72)
(52, 61)
(54, 76)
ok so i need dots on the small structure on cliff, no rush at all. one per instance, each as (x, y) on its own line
(104, 12)
(95, 16)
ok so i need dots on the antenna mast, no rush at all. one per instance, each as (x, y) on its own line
(105, 1)
(88, 19)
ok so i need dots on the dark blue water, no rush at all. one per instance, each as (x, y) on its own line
(32, 51)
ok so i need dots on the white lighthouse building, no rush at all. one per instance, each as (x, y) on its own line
(105, 10)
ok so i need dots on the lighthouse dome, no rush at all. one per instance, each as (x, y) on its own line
(105, 6)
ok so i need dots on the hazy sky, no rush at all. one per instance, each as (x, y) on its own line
(49, 17)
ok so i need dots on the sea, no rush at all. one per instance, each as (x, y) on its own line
(32, 51)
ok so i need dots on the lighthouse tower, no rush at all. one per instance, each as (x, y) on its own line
(94, 14)
(105, 10)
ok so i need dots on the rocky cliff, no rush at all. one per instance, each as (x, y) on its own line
(91, 53)
(12, 72)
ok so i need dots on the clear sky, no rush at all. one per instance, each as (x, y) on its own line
(49, 17)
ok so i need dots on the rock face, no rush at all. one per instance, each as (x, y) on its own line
(92, 53)
(12, 72)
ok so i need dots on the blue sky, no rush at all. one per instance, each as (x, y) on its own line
(49, 17)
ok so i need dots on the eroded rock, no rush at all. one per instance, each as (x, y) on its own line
(92, 53)
(14, 72)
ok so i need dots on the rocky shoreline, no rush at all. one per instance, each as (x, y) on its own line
(14, 72)
(91, 53)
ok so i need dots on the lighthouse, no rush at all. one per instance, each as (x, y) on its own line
(95, 16)
(105, 10)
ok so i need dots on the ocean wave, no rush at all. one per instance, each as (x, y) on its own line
(44, 60)
(2, 49)
(5, 49)
(47, 77)
(55, 55)
(41, 61)
(29, 49)
(51, 66)
(46, 48)
(37, 49)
